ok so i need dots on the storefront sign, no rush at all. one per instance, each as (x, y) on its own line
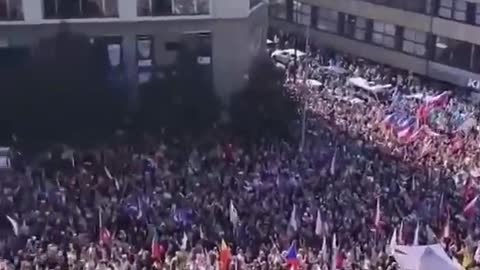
(474, 83)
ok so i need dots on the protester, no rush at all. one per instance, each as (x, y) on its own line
(201, 204)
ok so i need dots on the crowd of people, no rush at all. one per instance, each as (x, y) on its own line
(332, 202)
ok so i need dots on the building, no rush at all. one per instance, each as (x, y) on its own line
(436, 38)
(144, 38)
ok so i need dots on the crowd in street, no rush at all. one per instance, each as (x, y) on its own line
(362, 170)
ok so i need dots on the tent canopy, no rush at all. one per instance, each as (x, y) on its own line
(431, 257)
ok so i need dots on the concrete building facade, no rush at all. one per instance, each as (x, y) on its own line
(436, 38)
(144, 36)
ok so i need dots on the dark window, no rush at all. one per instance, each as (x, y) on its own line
(64, 9)
(11, 10)
(327, 19)
(454, 53)
(301, 13)
(278, 9)
(476, 59)
(355, 27)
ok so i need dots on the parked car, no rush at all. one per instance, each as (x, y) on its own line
(285, 56)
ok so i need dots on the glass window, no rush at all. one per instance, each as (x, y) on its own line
(383, 34)
(11, 10)
(301, 13)
(355, 27)
(54, 9)
(454, 53)
(278, 9)
(327, 19)
(453, 9)
(172, 7)
(414, 42)
(477, 14)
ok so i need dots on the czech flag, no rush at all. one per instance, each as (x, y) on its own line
(292, 260)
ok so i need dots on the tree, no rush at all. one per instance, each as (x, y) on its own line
(178, 105)
(62, 92)
(265, 108)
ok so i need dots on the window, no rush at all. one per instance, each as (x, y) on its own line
(355, 27)
(383, 34)
(414, 42)
(278, 9)
(454, 53)
(301, 13)
(172, 7)
(411, 5)
(64, 9)
(453, 9)
(11, 10)
(327, 19)
(477, 14)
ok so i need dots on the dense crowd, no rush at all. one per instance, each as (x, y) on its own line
(217, 202)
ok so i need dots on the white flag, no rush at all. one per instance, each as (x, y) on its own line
(184, 242)
(393, 243)
(476, 256)
(14, 225)
(318, 224)
(233, 215)
(400, 234)
(324, 249)
(334, 252)
(377, 215)
(107, 172)
(293, 218)
(416, 235)
(334, 161)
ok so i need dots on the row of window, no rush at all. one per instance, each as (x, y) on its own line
(451, 52)
(64, 9)
(458, 10)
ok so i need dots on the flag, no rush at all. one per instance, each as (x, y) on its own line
(377, 215)
(467, 257)
(233, 215)
(318, 224)
(334, 252)
(416, 235)
(14, 225)
(292, 259)
(224, 256)
(400, 234)
(324, 249)
(470, 207)
(432, 238)
(202, 233)
(293, 218)
(446, 229)
(184, 242)
(107, 172)
(334, 160)
(438, 100)
(393, 243)
(156, 249)
(476, 256)
(105, 235)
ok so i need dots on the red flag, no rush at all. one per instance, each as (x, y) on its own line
(224, 256)
(470, 207)
(156, 248)
(105, 236)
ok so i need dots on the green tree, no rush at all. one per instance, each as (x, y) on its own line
(265, 108)
(62, 92)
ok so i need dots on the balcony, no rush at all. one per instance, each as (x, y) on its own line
(68, 9)
(11, 10)
(172, 7)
